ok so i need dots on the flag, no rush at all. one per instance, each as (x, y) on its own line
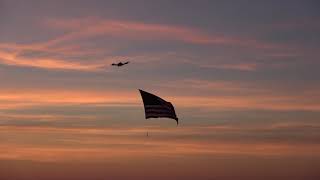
(155, 107)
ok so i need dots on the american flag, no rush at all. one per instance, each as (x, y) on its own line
(155, 107)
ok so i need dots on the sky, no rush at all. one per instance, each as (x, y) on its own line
(243, 77)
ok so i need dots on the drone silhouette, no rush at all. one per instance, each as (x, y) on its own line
(120, 64)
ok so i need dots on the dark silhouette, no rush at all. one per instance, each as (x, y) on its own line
(156, 107)
(119, 64)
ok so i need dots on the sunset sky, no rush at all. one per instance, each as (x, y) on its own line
(243, 76)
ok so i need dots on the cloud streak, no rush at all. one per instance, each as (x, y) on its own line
(13, 59)
(67, 51)
(92, 145)
(252, 101)
(95, 26)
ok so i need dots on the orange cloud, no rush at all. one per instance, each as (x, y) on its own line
(253, 100)
(163, 131)
(65, 154)
(241, 95)
(91, 27)
(13, 55)
(43, 117)
(47, 63)
(65, 97)
(277, 103)
(87, 144)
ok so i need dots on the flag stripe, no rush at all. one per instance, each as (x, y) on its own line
(166, 110)
(160, 114)
(158, 106)
(157, 116)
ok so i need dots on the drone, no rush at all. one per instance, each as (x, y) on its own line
(120, 64)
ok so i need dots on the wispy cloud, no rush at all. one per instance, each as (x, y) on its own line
(94, 26)
(68, 154)
(15, 59)
(253, 101)
(67, 50)
(240, 67)
(64, 97)
(90, 144)
(43, 117)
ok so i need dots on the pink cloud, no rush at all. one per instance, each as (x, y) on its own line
(14, 99)
(91, 144)
(47, 63)
(235, 66)
(94, 26)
